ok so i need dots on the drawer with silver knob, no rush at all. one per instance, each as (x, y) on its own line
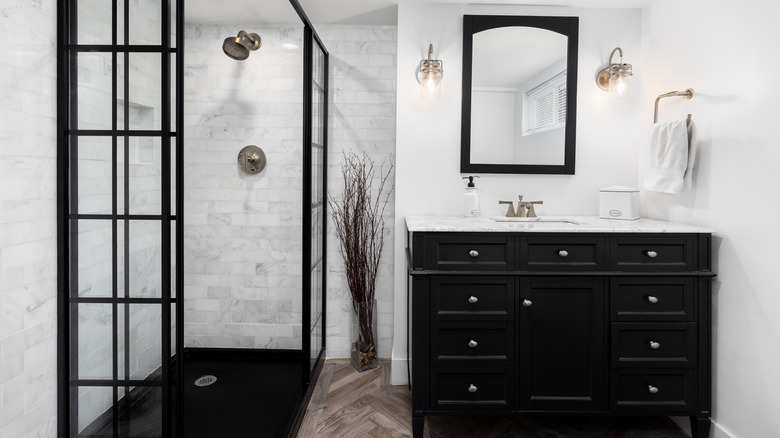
(648, 390)
(473, 252)
(653, 344)
(485, 343)
(653, 254)
(472, 298)
(569, 253)
(478, 388)
(654, 299)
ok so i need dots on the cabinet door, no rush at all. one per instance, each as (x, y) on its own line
(562, 343)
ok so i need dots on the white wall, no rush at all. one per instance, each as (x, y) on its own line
(428, 145)
(724, 50)
(28, 246)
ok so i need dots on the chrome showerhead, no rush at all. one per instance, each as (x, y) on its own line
(238, 48)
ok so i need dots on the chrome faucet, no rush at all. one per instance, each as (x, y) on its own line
(524, 208)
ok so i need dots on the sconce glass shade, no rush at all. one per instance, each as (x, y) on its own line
(429, 74)
(614, 78)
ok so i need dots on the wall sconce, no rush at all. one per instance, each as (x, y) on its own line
(614, 78)
(429, 74)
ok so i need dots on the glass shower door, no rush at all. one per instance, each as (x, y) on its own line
(117, 218)
(316, 148)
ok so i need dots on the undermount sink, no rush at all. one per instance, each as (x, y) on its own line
(537, 220)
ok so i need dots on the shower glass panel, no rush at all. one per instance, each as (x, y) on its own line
(191, 293)
(116, 225)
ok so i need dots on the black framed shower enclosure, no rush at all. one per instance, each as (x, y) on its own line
(120, 193)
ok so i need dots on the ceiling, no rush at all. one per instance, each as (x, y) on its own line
(346, 11)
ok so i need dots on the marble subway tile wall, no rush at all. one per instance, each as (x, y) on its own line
(28, 247)
(242, 233)
(361, 119)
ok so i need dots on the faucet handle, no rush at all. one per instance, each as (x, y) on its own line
(511, 210)
(531, 211)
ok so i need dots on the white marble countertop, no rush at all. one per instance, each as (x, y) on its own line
(548, 224)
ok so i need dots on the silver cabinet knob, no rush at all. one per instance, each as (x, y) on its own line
(563, 253)
(652, 299)
(473, 299)
(472, 388)
(655, 345)
(527, 303)
(473, 343)
(473, 253)
(652, 389)
(652, 254)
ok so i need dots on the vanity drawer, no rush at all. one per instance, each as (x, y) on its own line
(469, 252)
(652, 298)
(652, 390)
(653, 254)
(471, 343)
(472, 298)
(654, 344)
(476, 389)
(569, 253)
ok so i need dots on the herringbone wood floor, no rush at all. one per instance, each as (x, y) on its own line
(348, 404)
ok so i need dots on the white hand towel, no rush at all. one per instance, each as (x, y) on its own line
(671, 157)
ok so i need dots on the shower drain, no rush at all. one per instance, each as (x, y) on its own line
(205, 380)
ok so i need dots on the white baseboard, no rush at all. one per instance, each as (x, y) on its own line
(715, 432)
(398, 372)
(719, 432)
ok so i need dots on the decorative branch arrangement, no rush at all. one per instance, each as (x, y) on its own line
(359, 224)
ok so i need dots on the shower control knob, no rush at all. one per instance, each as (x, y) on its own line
(472, 388)
(652, 299)
(251, 159)
(473, 299)
(655, 345)
(652, 389)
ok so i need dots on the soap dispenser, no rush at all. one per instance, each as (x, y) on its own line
(471, 198)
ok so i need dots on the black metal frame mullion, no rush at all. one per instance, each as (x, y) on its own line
(178, 411)
(306, 213)
(324, 182)
(63, 251)
(73, 225)
(126, 191)
(114, 225)
(165, 211)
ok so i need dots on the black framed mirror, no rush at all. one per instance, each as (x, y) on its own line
(519, 108)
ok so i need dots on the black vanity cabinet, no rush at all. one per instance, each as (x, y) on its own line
(560, 323)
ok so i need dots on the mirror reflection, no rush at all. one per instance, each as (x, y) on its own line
(518, 96)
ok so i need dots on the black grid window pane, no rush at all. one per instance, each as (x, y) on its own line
(94, 85)
(95, 411)
(144, 259)
(145, 348)
(145, 175)
(144, 91)
(95, 342)
(95, 174)
(95, 258)
(95, 22)
(145, 22)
